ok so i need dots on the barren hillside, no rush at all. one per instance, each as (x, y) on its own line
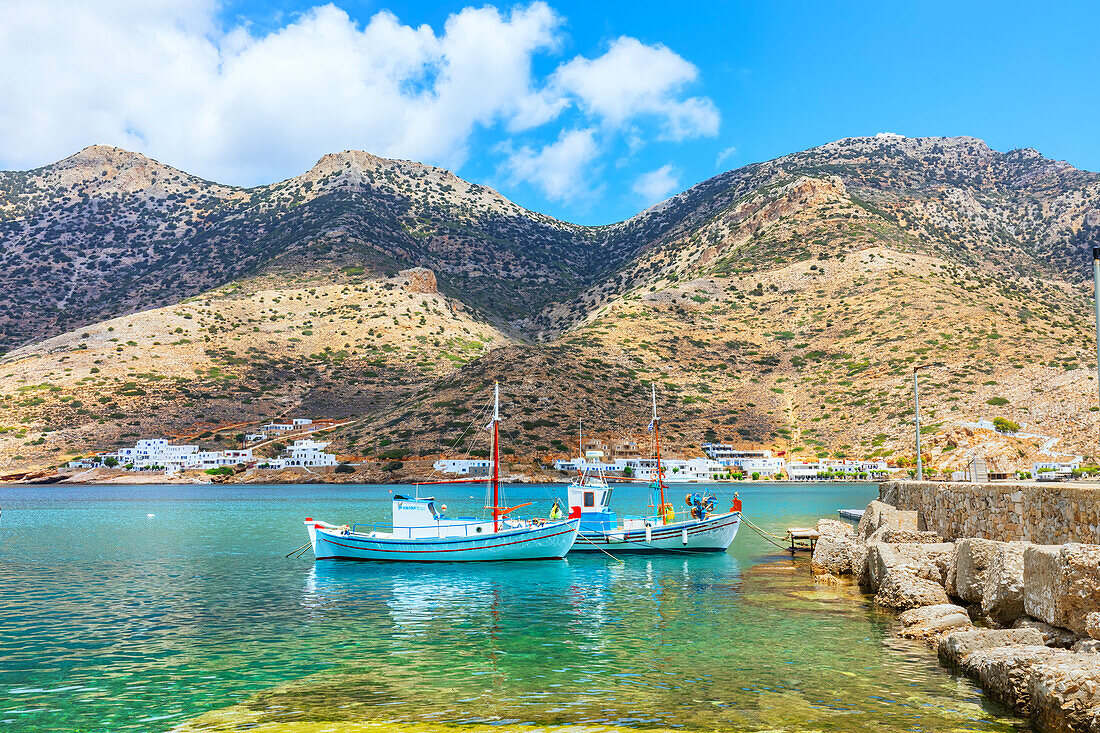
(783, 304)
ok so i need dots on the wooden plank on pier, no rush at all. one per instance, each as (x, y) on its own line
(802, 538)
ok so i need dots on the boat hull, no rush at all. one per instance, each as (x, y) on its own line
(714, 534)
(550, 541)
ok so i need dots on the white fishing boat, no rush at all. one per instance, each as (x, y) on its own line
(697, 529)
(421, 532)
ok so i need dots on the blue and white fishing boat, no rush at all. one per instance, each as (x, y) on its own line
(699, 529)
(421, 532)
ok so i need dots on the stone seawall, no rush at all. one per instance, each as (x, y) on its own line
(1045, 515)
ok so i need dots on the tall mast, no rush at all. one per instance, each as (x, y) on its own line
(657, 442)
(581, 461)
(496, 457)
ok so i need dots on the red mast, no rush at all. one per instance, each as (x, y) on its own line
(496, 457)
(657, 442)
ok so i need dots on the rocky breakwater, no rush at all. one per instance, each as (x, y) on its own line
(1021, 619)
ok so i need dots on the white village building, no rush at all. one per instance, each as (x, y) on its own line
(465, 467)
(306, 453)
(1054, 470)
(158, 453)
(813, 470)
(747, 461)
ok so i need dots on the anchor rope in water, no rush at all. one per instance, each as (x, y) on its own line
(298, 550)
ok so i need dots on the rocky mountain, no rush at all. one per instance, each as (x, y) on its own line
(780, 304)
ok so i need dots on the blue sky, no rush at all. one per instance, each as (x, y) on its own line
(586, 111)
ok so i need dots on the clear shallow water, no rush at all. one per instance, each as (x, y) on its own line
(111, 620)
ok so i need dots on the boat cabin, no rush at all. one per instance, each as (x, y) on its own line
(592, 503)
(418, 518)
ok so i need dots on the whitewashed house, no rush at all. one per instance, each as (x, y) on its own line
(1053, 470)
(158, 453)
(812, 470)
(464, 467)
(746, 461)
(304, 453)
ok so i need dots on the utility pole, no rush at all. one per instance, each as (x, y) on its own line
(916, 421)
(1096, 306)
(916, 413)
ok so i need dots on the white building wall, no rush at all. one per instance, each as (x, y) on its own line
(462, 466)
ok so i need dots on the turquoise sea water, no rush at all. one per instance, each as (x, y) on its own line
(193, 618)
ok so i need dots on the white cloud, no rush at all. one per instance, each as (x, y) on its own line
(167, 78)
(726, 154)
(657, 185)
(634, 79)
(562, 169)
(161, 78)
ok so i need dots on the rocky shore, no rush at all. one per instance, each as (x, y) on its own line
(1021, 619)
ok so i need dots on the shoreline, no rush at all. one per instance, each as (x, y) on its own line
(1020, 618)
(260, 477)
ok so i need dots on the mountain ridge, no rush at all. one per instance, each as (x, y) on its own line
(778, 304)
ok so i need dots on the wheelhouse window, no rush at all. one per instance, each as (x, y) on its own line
(607, 498)
(590, 498)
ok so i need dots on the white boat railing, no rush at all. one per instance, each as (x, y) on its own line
(407, 532)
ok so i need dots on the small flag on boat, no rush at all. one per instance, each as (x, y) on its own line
(489, 427)
(650, 428)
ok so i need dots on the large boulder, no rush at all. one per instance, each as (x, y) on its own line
(880, 558)
(878, 515)
(899, 536)
(920, 615)
(935, 627)
(1003, 593)
(1062, 584)
(957, 645)
(900, 589)
(836, 554)
(1004, 672)
(831, 527)
(951, 573)
(1053, 636)
(872, 518)
(927, 561)
(836, 548)
(1065, 692)
(973, 556)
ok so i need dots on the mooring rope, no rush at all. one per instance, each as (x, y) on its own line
(299, 549)
(581, 536)
(762, 531)
(765, 534)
